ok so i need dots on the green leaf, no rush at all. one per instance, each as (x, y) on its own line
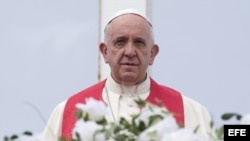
(154, 119)
(62, 139)
(121, 137)
(220, 132)
(116, 129)
(140, 102)
(78, 138)
(78, 114)
(124, 122)
(107, 133)
(211, 124)
(196, 129)
(141, 127)
(238, 117)
(102, 122)
(6, 138)
(228, 116)
(13, 137)
(28, 133)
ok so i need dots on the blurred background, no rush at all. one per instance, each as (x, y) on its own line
(49, 51)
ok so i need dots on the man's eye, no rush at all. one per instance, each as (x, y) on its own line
(139, 43)
(120, 42)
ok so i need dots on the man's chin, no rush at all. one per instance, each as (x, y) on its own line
(130, 78)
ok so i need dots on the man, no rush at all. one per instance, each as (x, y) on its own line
(129, 49)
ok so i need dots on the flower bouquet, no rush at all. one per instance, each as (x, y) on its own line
(153, 123)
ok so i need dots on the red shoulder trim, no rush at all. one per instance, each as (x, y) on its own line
(69, 117)
(171, 99)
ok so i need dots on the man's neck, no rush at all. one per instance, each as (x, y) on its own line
(142, 87)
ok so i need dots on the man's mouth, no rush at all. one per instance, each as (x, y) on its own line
(129, 64)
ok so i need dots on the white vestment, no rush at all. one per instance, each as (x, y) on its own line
(121, 102)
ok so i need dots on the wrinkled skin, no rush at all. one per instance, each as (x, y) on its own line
(129, 49)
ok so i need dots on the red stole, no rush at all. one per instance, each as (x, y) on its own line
(169, 97)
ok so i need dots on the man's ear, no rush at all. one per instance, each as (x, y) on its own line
(154, 52)
(104, 51)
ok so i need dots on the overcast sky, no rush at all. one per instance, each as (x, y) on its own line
(48, 51)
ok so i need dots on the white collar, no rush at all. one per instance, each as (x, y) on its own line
(116, 88)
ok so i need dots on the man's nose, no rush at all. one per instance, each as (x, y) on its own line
(130, 50)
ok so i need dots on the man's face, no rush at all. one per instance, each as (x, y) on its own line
(129, 49)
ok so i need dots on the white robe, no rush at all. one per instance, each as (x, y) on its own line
(122, 103)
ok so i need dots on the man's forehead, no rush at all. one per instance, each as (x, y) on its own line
(135, 34)
(129, 11)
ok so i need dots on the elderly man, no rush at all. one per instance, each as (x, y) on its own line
(129, 49)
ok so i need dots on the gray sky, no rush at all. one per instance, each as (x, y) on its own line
(48, 51)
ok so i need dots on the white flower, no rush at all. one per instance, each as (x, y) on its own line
(183, 134)
(96, 109)
(87, 131)
(156, 132)
(144, 116)
(245, 119)
(148, 111)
